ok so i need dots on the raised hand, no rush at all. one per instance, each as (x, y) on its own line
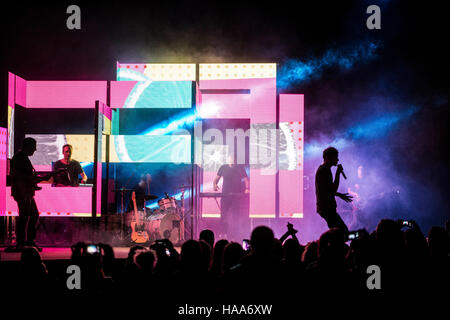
(345, 196)
(291, 229)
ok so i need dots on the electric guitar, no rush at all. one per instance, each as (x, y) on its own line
(138, 233)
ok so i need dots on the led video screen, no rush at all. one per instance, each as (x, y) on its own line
(123, 148)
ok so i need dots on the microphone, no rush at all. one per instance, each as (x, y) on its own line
(343, 174)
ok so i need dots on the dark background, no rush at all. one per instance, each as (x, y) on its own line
(411, 67)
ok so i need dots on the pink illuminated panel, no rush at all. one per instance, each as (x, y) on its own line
(291, 107)
(224, 106)
(57, 201)
(106, 116)
(11, 105)
(11, 90)
(262, 194)
(120, 90)
(99, 188)
(21, 91)
(64, 94)
(258, 105)
(3, 157)
(291, 176)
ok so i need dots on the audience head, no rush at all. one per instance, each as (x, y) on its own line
(438, 243)
(415, 244)
(133, 251)
(329, 252)
(361, 249)
(262, 240)
(145, 261)
(208, 236)
(31, 262)
(218, 255)
(33, 272)
(292, 250)
(277, 250)
(30, 256)
(388, 234)
(332, 246)
(310, 254)
(232, 255)
(206, 255)
(191, 256)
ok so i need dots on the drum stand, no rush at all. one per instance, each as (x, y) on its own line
(122, 220)
(181, 222)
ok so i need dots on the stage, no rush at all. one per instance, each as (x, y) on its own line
(61, 253)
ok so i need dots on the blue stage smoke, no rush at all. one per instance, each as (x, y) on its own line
(296, 71)
(378, 127)
(374, 128)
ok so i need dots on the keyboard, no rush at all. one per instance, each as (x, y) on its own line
(85, 185)
(219, 194)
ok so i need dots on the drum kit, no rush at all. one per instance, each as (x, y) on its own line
(166, 221)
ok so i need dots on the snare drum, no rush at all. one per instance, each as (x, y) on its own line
(167, 203)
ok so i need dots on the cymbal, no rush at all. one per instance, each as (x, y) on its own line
(183, 187)
(150, 197)
(123, 190)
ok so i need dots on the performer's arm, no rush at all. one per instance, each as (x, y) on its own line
(80, 171)
(290, 232)
(336, 180)
(344, 196)
(215, 182)
(83, 177)
(247, 189)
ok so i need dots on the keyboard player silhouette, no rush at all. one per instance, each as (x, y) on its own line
(235, 187)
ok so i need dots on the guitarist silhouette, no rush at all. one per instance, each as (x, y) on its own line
(23, 186)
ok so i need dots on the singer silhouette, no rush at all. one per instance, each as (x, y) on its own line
(326, 189)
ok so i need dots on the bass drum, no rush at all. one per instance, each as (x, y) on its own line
(171, 227)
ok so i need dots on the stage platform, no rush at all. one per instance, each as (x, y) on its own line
(62, 253)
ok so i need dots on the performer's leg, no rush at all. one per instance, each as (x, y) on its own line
(235, 221)
(225, 206)
(333, 220)
(339, 222)
(32, 221)
(23, 205)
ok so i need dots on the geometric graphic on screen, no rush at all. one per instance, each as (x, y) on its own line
(291, 145)
(164, 148)
(123, 148)
(49, 147)
(263, 146)
(155, 94)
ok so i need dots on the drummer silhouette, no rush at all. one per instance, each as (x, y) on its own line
(139, 195)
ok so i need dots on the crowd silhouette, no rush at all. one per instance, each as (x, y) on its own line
(209, 271)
